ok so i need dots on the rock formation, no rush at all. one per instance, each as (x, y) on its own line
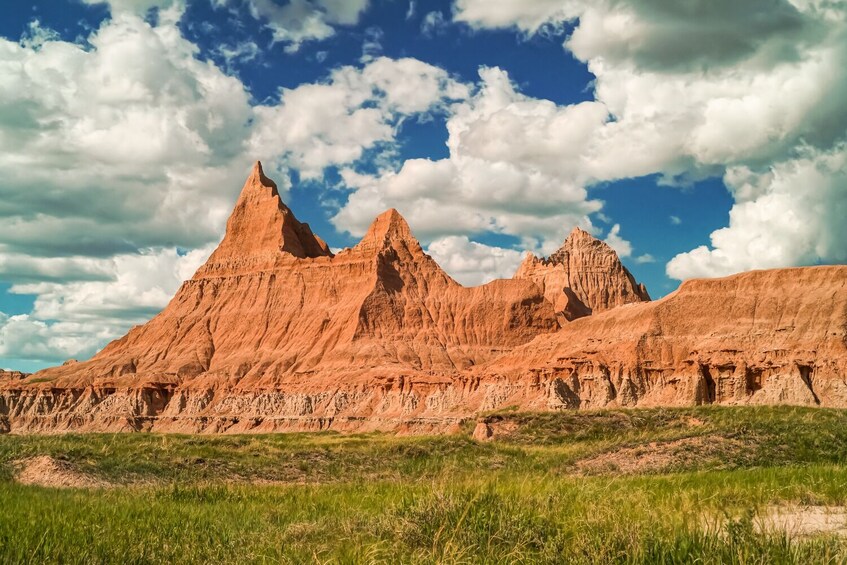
(762, 337)
(583, 277)
(11, 375)
(275, 333)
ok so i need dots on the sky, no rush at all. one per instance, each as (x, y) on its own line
(699, 138)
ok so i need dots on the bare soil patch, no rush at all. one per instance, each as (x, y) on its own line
(686, 453)
(803, 521)
(46, 471)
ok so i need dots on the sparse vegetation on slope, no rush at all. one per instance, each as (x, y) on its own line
(526, 496)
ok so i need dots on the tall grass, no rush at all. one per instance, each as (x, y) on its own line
(328, 498)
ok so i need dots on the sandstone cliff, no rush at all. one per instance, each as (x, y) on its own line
(11, 375)
(583, 277)
(275, 332)
(763, 337)
(273, 312)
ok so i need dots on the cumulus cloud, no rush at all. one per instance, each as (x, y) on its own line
(23, 337)
(124, 145)
(116, 154)
(472, 263)
(140, 7)
(298, 21)
(103, 297)
(695, 89)
(614, 240)
(334, 122)
(501, 175)
(791, 213)
(528, 16)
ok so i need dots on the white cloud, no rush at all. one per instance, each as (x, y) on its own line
(37, 35)
(239, 53)
(791, 213)
(22, 337)
(502, 174)
(125, 145)
(83, 303)
(644, 259)
(473, 263)
(614, 240)
(675, 220)
(372, 44)
(528, 15)
(22, 268)
(433, 23)
(139, 7)
(299, 21)
(702, 89)
(316, 125)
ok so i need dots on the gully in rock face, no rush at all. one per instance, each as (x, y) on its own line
(275, 332)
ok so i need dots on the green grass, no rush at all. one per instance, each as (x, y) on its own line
(330, 498)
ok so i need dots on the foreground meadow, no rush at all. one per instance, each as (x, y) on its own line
(705, 485)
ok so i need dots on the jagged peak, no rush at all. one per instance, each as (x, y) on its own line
(262, 225)
(578, 238)
(579, 234)
(571, 276)
(258, 179)
(387, 227)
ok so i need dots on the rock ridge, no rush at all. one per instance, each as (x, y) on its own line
(584, 276)
(277, 333)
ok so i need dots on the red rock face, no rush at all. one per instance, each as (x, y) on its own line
(260, 228)
(583, 277)
(763, 337)
(11, 376)
(276, 333)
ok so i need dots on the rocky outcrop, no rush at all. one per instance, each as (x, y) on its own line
(12, 375)
(584, 277)
(275, 326)
(763, 337)
(276, 333)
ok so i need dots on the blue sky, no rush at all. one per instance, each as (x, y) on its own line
(700, 139)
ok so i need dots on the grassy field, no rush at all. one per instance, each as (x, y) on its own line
(642, 486)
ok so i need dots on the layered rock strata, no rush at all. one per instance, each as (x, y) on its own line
(277, 333)
(584, 277)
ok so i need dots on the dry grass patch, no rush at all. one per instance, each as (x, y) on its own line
(680, 454)
(46, 471)
(803, 521)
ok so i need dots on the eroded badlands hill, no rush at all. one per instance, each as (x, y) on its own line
(763, 337)
(584, 277)
(275, 332)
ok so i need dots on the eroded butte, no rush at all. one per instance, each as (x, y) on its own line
(277, 333)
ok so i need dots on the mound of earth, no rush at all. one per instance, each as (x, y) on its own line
(657, 457)
(45, 471)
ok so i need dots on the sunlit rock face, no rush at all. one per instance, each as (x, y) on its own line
(277, 333)
(585, 276)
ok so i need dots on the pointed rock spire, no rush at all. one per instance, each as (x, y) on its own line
(262, 225)
(258, 179)
(584, 276)
(389, 227)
